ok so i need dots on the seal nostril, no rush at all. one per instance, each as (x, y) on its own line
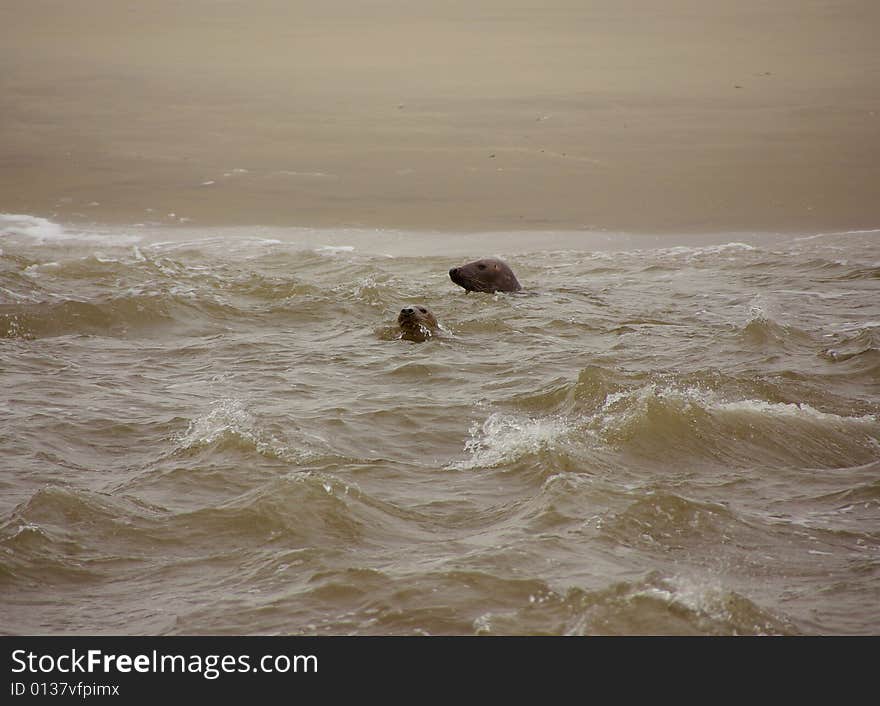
(406, 310)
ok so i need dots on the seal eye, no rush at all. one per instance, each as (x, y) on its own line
(423, 310)
(481, 266)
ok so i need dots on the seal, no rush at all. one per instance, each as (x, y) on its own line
(486, 275)
(417, 323)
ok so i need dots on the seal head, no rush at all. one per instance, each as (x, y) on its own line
(486, 275)
(417, 323)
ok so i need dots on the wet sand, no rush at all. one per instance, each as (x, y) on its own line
(481, 115)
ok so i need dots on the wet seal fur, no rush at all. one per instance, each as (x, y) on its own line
(487, 275)
(417, 323)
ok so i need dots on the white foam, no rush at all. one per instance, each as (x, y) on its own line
(16, 295)
(227, 415)
(503, 438)
(869, 231)
(230, 417)
(705, 598)
(620, 408)
(858, 326)
(31, 226)
(34, 270)
(42, 230)
(795, 410)
(704, 250)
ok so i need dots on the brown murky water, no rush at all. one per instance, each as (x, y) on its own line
(216, 430)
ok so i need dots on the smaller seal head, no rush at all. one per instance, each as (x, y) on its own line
(486, 275)
(417, 323)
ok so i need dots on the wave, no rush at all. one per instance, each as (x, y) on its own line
(675, 605)
(839, 233)
(667, 520)
(133, 315)
(866, 494)
(64, 535)
(70, 535)
(656, 604)
(299, 508)
(695, 418)
(42, 230)
(662, 421)
(134, 294)
(230, 426)
(762, 330)
(505, 438)
(459, 601)
(862, 347)
(209, 285)
(708, 252)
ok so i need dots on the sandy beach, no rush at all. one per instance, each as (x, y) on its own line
(684, 116)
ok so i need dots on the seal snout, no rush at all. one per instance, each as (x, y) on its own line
(455, 276)
(407, 311)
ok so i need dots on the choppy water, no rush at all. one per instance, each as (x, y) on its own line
(216, 431)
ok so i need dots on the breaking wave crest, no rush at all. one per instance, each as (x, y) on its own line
(668, 422)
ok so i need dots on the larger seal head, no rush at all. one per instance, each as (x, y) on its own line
(417, 323)
(486, 275)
